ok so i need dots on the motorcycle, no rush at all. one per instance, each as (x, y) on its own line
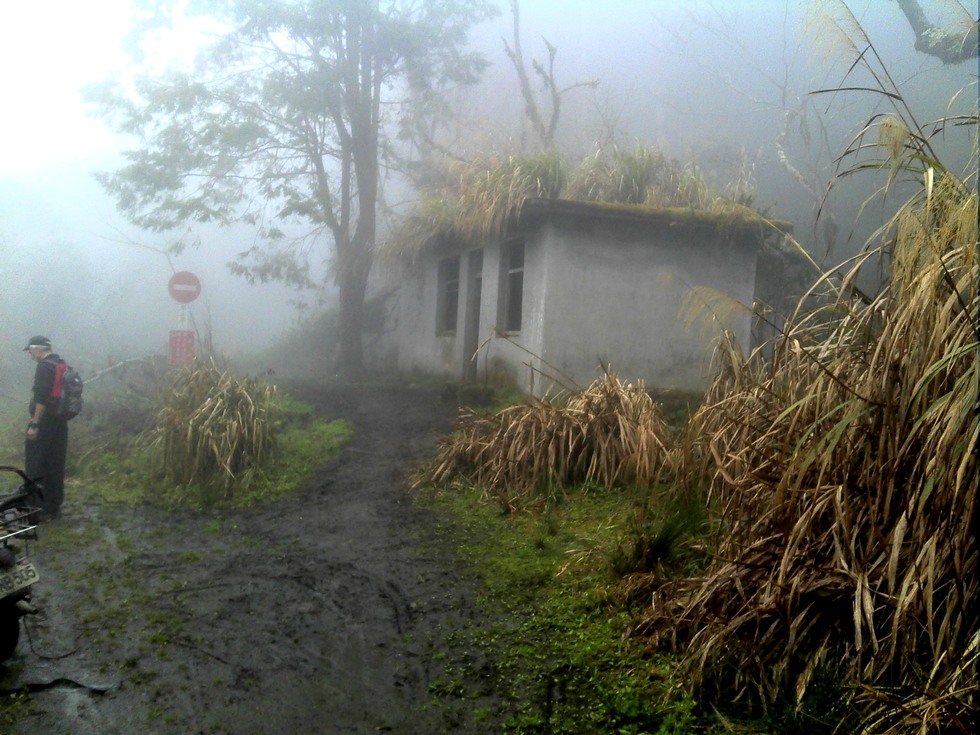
(19, 515)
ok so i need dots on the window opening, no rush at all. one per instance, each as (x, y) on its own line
(512, 282)
(447, 298)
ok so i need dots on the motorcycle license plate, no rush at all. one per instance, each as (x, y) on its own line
(22, 575)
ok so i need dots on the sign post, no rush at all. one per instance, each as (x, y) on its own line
(184, 287)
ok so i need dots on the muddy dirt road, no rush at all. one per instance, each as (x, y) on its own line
(325, 613)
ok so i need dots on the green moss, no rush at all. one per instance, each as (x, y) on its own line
(736, 220)
(561, 656)
(303, 443)
(302, 450)
(15, 707)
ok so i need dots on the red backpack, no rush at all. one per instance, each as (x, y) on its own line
(66, 392)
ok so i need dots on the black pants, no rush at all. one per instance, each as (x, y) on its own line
(44, 460)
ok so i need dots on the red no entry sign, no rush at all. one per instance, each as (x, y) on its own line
(184, 287)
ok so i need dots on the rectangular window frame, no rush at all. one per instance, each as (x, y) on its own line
(511, 311)
(447, 295)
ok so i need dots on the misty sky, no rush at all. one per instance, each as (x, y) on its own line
(694, 77)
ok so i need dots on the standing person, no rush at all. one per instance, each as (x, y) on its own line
(46, 447)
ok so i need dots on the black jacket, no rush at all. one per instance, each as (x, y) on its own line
(43, 385)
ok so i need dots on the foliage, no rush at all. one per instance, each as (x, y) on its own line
(302, 448)
(838, 468)
(126, 470)
(845, 471)
(956, 43)
(214, 430)
(285, 120)
(560, 582)
(640, 176)
(15, 706)
(663, 538)
(479, 199)
(611, 434)
(120, 402)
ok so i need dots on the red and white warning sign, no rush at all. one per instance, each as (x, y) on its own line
(184, 287)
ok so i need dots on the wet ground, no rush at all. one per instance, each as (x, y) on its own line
(324, 613)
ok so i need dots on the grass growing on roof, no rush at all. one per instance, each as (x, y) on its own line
(471, 201)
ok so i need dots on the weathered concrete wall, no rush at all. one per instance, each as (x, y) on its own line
(607, 292)
(413, 337)
(622, 305)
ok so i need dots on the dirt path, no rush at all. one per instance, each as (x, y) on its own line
(321, 614)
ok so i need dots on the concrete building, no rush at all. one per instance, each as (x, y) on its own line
(574, 286)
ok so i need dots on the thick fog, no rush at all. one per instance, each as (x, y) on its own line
(707, 81)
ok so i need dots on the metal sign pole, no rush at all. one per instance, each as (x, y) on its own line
(184, 287)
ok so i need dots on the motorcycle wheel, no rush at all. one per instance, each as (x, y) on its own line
(9, 628)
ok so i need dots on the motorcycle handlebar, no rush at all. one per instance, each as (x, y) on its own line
(24, 492)
(18, 470)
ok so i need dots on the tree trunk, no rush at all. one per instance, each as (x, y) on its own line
(355, 261)
(354, 266)
(352, 286)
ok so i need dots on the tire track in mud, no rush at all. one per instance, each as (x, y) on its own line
(320, 613)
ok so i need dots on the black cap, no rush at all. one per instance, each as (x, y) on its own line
(38, 341)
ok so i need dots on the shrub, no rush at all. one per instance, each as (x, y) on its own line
(611, 434)
(214, 430)
(846, 474)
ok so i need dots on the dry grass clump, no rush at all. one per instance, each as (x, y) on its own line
(214, 429)
(474, 200)
(489, 191)
(640, 176)
(646, 176)
(470, 201)
(610, 434)
(845, 472)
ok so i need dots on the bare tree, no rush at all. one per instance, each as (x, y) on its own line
(544, 130)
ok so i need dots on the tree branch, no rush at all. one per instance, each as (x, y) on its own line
(516, 56)
(950, 47)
